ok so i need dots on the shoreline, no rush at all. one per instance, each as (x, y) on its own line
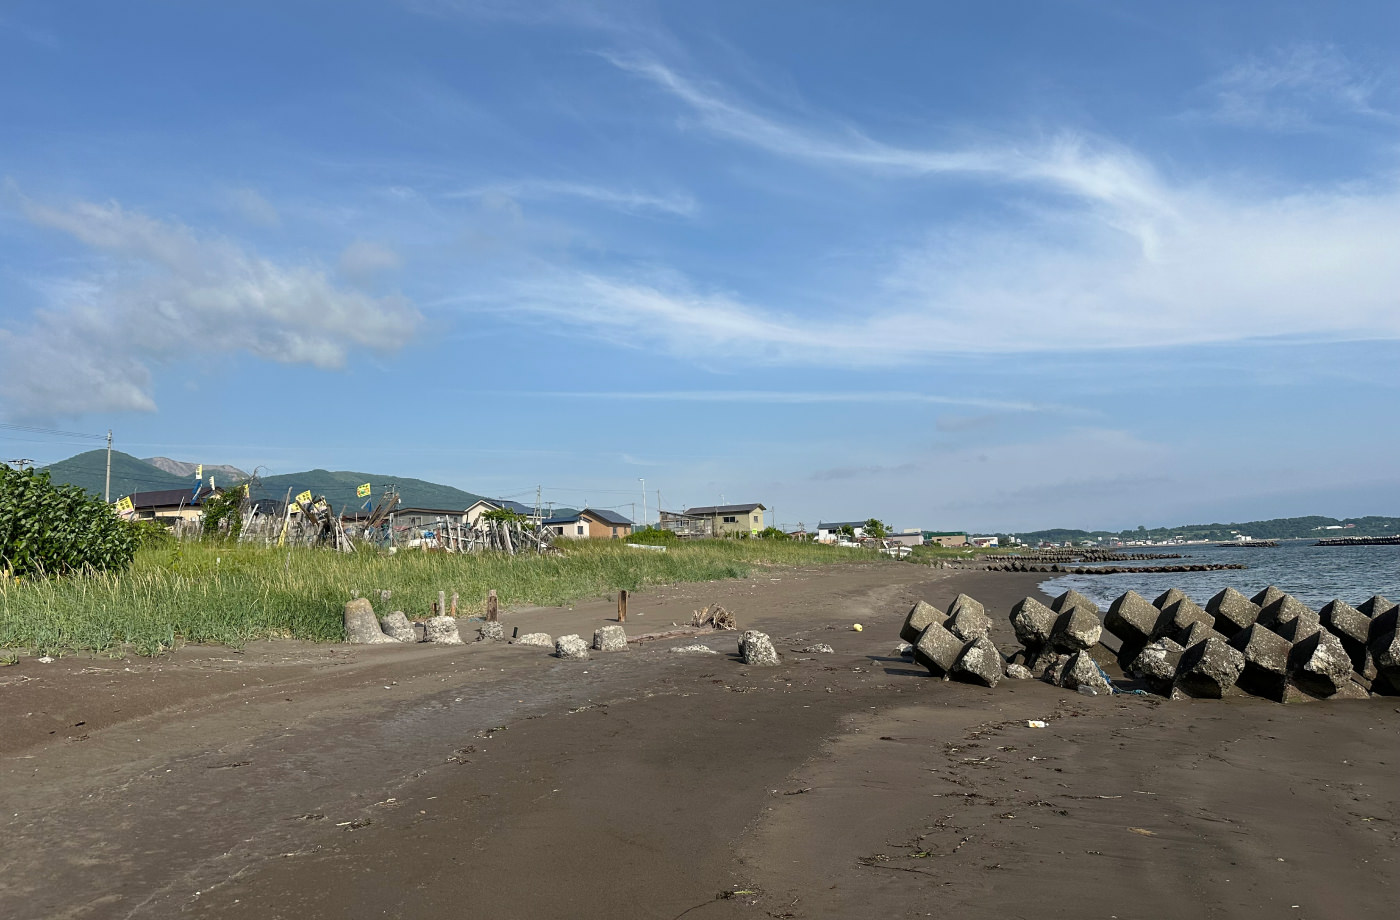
(497, 780)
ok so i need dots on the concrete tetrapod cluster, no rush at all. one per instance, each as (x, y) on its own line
(363, 628)
(1271, 645)
(954, 644)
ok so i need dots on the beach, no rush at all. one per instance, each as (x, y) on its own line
(306, 780)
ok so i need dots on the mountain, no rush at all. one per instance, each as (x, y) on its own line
(1311, 527)
(132, 474)
(339, 489)
(129, 474)
(186, 470)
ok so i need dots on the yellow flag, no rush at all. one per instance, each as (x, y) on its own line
(304, 498)
(363, 491)
(125, 504)
(199, 471)
(247, 490)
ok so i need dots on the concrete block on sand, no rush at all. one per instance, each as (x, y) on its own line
(1048, 665)
(1132, 619)
(1180, 615)
(980, 663)
(1169, 597)
(963, 601)
(758, 649)
(443, 631)
(938, 650)
(1018, 672)
(397, 627)
(610, 639)
(694, 650)
(1349, 625)
(361, 625)
(1321, 666)
(1289, 615)
(1266, 597)
(968, 622)
(1265, 662)
(1232, 612)
(1208, 670)
(491, 631)
(1081, 671)
(1156, 665)
(1033, 623)
(1076, 629)
(1196, 632)
(571, 648)
(541, 639)
(920, 615)
(1072, 598)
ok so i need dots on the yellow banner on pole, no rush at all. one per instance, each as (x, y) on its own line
(199, 471)
(125, 506)
(304, 498)
(363, 491)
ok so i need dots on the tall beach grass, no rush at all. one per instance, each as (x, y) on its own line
(231, 594)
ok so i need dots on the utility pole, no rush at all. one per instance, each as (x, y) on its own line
(537, 506)
(644, 502)
(107, 489)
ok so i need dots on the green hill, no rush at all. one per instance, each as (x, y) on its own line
(129, 474)
(1311, 527)
(339, 489)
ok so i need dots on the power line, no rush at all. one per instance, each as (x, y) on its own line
(53, 431)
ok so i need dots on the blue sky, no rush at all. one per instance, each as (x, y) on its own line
(973, 266)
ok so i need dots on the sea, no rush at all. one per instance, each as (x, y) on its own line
(1312, 574)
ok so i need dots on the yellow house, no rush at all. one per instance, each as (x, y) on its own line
(168, 504)
(730, 520)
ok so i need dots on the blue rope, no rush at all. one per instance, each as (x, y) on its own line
(1113, 689)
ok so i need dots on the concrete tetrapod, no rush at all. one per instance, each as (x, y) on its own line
(1321, 666)
(938, 650)
(397, 627)
(443, 630)
(1232, 611)
(571, 648)
(1265, 670)
(1288, 615)
(1033, 623)
(1072, 598)
(1180, 615)
(1156, 665)
(1208, 670)
(980, 663)
(968, 622)
(757, 649)
(1081, 671)
(612, 638)
(920, 615)
(1076, 629)
(361, 625)
(540, 639)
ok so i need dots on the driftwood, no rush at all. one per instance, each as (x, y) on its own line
(714, 617)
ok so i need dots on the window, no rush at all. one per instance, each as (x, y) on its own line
(559, 531)
(614, 531)
(755, 519)
(731, 520)
(580, 530)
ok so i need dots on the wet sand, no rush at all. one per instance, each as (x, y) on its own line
(310, 781)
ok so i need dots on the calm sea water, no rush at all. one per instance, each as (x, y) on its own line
(1312, 574)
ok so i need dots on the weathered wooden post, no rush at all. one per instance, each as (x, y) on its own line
(492, 606)
(442, 604)
(454, 604)
(622, 606)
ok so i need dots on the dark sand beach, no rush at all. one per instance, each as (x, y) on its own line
(304, 781)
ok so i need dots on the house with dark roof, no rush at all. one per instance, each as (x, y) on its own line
(168, 504)
(590, 524)
(830, 531)
(730, 520)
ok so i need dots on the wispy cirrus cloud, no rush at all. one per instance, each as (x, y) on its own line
(629, 200)
(159, 292)
(1302, 87)
(805, 397)
(1118, 257)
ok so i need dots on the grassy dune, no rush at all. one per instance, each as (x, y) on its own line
(230, 594)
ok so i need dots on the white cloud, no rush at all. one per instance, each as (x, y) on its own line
(628, 200)
(1298, 88)
(362, 261)
(1117, 257)
(164, 293)
(805, 397)
(252, 207)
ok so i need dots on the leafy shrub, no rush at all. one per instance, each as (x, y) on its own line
(773, 533)
(654, 536)
(52, 529)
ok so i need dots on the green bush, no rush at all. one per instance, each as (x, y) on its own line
(654, 536)
(54, 530)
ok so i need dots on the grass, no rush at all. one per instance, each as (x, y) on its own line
(230, 594)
